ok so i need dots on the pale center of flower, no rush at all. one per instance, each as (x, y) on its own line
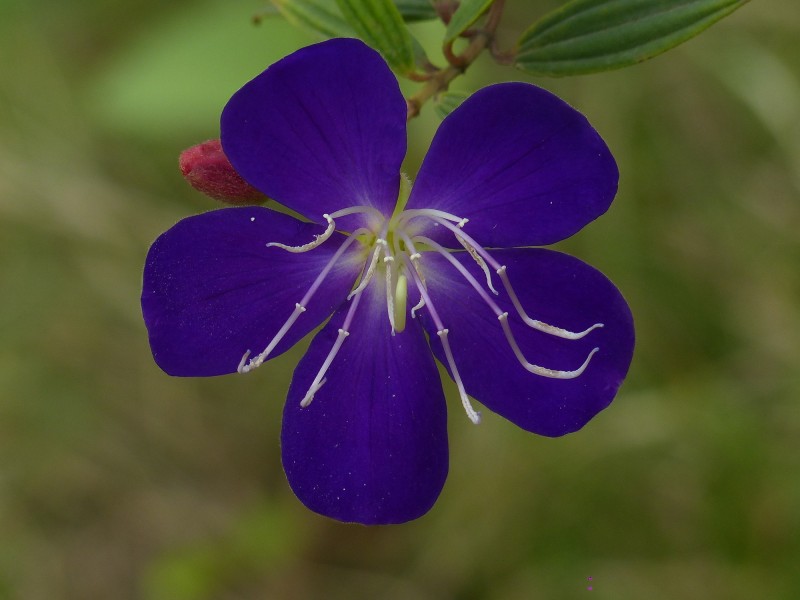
(394, 251)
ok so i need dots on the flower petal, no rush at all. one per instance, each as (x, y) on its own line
(372, 446)
(522, 165)
(321, 130)
(212, 290)
(557, 289)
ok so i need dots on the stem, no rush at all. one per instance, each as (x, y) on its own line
(440, 80)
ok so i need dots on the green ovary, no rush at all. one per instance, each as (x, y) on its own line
(400, 297)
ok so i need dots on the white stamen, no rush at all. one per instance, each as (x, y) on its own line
(344, 331)
(468, 239)
(299, 307)
(473, 415)
(536, 369)
(415, 258)
(501, 271)
(431, 213)
(417, 306)
(464, 273)
(318, 239)
(539, 325)
(352, 210)
(481, 263)
(503, 317)
(380, 245)
(320, 379)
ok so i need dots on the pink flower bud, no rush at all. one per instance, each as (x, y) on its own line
(209, 171)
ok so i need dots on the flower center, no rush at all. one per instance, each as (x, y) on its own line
(393, 251)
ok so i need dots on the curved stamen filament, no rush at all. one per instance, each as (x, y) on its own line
(315, 243)
(480, 262)
(503, 317)
(501, 272)
(464, 273)
(415, 257)
(442, 332)
(300, 307)
(380, 245)
(536, 369)
(539, 325)
(323, 237)
(466, 239)
(352, 210)
(344, 331)
(418, 306)
(431, 213)
(415, 261)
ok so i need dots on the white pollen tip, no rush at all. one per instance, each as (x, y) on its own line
(252, 219)
(462, 222)
(388, 259)
(310, 393)
(415, 256)
(299, 307)
(501, 270)
(243, 368)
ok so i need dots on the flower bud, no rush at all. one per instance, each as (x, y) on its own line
(209, 171)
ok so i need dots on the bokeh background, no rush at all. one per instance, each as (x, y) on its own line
(117, 481)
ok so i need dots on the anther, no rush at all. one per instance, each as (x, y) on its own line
(479, 261)
(379, 245)
(310, 393)
(442, 332)
(417, 307)
(318, 239)
(472, 414)
(415, 258)
(539, 325)
(299, 308)
(320, 379)
(536, 369)
(259, 360)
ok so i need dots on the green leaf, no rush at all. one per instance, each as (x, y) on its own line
(467, 13)
(586, 36)
(379, 24)
(319, 16)
(447, 102)
(416, 10)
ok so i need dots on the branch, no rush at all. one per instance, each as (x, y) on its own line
(458, 64)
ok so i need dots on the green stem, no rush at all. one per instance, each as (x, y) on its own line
(458, 64)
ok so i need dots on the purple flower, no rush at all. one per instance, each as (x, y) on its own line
(536, 336)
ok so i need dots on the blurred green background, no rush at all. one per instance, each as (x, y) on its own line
(117, 481)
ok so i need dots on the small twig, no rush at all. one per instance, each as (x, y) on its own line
(440, 80)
